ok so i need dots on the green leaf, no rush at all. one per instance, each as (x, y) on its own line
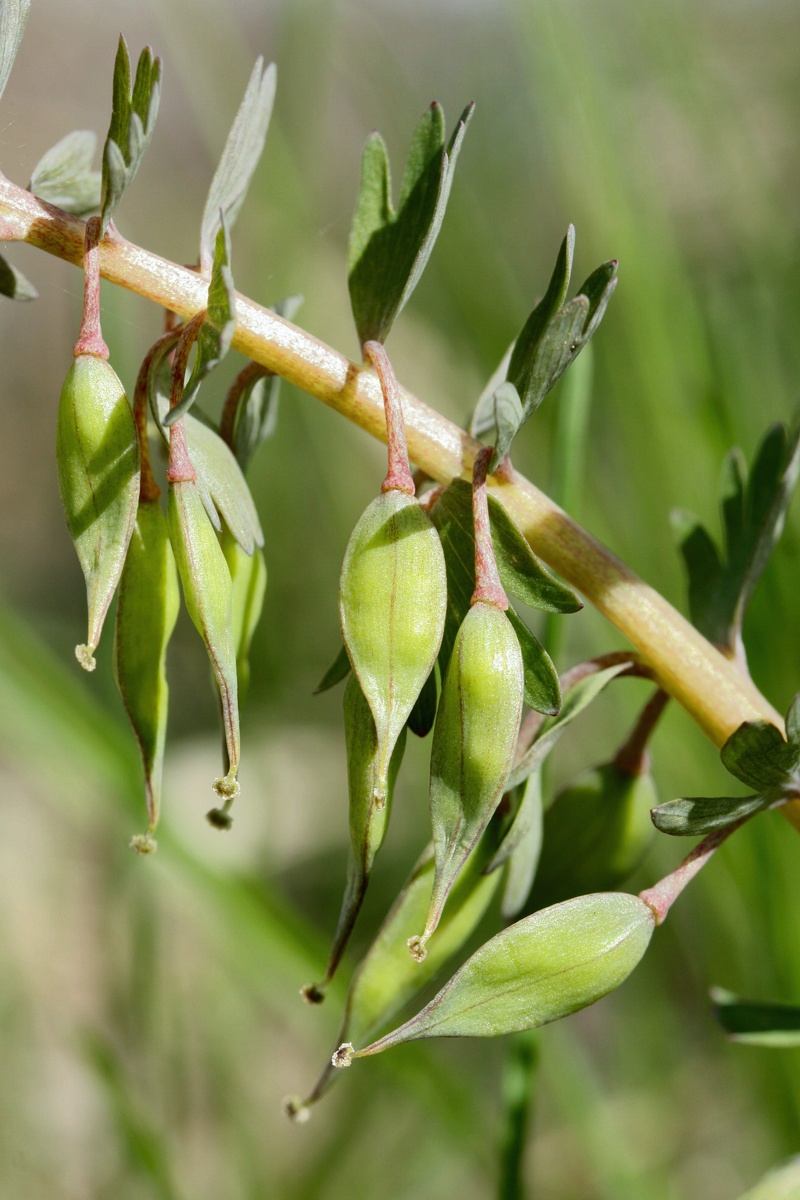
(753, 515)
(14, 284)
(576, 700)
(508, 417)
(241, 155)
(783, 1183)
(759, 1024)
(483, 419)
(555, 333)
(13, 15)
(699, 815)
(133, 116)
(257, 412)
(338, 670)
(388, 251)
(521, 847)
(757, 754)
(542, 689)
(216, 332)
(539, 970)
(423, 714)
(63, 175)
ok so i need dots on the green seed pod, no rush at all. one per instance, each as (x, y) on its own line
(249, 580)
(596, 832)
(147, 609)
(387, 979)
(541, 969)
(368, 819)
(208, 594)
(392, 602)
(98, 473)
(474, 740)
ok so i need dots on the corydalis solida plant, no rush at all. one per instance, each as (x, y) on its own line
(512, 802)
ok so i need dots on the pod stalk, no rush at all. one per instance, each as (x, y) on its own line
(398, 477)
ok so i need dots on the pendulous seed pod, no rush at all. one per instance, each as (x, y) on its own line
(368, 819)
(387, 980)
(249, 582)
(208, 594)
(595, 834)
(539, 970)
(97, 451)
(147, 609)
(474, 740)
(392, 603)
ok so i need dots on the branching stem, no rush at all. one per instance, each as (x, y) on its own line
(711, 689)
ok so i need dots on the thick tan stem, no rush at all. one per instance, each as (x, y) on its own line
(707, 685)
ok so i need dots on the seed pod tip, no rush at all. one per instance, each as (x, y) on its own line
(312, 994)
(343, 1056)
(227, 788)
(296, 1110)
(219, 818)
(85, 656)
(416, 947)
(143, 843)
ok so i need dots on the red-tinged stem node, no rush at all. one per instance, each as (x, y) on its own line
(90, 339)
(180, 469)
(663, 895)
(245, 379)
(148, 488)
(398, 477)
(488, 588)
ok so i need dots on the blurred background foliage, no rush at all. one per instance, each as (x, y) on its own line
(149, 1010)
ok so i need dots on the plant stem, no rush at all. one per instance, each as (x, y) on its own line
(711, 689)
(90, 339)
(519, 1077)
(488, 588)
(398, 476)
(148, 488)
(663, 894)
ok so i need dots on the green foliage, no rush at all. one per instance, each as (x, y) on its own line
(754, 507)
(756, 1023)
(389, 250)
(14, 284)
(13, 15)
(133, 117)
(63, 175)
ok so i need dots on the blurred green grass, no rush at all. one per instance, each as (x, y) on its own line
(150, 1016)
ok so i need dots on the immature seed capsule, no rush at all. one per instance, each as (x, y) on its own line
(596, 832)
(539, 970)
(249, 582)
(147, 609)
(474, 739)
(368, 819)
(97, 451)
(392, 603)
(208, 593)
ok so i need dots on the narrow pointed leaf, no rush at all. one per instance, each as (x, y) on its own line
(709, 603)
(521, 368)
(508, 416)
(243, 150)
(13, 15)
(64, 176)
(338, 670)
(249, 585)
(539, 970)
(216, 332)
(521, 848)
(133, 116)
(699, 815)
(388, 252)
(757, 754)
(257, 413)
(542, 688)
(423, 714)
(575, 701)
(14, 284)
(483, 419)
(757, 1023)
